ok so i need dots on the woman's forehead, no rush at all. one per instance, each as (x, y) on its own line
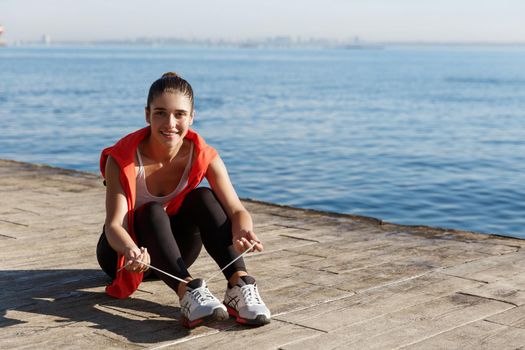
(172, 100)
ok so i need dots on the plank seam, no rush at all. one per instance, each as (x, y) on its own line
(503, 324)
(462, 277)
(183, 340)
(301, 239)
(14, 223)
(395, 282)
(302, 326)
(298, 340)
(488, 298)
(314, 305)
(290, 226)
(27, 211)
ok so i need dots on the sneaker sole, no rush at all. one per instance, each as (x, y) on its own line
(260, 320)
(217, 315)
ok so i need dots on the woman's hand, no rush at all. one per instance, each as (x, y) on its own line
(134, 257)
(243, 239)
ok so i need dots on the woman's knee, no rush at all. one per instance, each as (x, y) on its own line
(206, 203)
(151, 211)
(202, 194)
(106, 256)
(150, 220)
(204, 209)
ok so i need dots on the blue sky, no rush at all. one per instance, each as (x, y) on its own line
(370, 20)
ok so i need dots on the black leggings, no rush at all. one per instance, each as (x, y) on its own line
(174, 242)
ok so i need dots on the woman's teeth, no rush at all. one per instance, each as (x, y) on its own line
(169, 133)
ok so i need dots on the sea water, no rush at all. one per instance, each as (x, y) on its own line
(416, 135)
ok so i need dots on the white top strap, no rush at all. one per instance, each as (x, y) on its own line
(144, 196)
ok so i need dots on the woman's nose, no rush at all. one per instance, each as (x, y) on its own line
(172, 120)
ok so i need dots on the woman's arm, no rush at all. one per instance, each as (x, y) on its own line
(116, 221)
(242, 225)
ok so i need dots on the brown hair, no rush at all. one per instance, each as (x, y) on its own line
(170, 82)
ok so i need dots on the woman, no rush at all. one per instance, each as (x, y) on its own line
(156, 215)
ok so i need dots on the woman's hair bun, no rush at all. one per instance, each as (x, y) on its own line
(170, 75)
(169, 82)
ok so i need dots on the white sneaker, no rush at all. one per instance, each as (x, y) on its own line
(245, 304)
(199, 305)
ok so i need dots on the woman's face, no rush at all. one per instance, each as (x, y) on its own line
(170, 116)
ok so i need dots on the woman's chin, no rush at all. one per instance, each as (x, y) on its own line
(173, 142)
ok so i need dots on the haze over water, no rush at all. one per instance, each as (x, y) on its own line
(412, 135)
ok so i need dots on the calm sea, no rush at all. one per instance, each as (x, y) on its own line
(411, 135)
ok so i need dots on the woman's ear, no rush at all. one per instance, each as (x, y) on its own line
(192, 116)
(147, 114)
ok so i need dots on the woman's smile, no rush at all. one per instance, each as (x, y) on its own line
(170, 133)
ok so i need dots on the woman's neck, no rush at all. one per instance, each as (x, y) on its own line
(159, 152)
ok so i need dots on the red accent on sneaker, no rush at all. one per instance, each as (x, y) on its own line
(190, 324)
(235, 314)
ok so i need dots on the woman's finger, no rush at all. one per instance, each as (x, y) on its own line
(245, 243)
(239, 246)
(148, 258)
(142, 259)
(258, 245)
(252, 238)
(136, 265)
(248, 244)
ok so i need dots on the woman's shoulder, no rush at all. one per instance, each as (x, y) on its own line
(200, 143)
(123, 150)
(132, 139)
(112, 167)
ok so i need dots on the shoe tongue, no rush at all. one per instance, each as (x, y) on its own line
(196, 283)
(244, 280)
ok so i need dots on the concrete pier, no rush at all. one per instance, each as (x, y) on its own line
(332, 281)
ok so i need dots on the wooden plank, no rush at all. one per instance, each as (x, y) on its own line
(375, 303)
(477, 335)
(491, 268)
(272, 336)
(63, 337)
(511, 290)
(409, 325)
(514, 317)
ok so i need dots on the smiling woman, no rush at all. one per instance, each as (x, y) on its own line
(155, 214)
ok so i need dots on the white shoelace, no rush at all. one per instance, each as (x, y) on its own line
(234, 260)
(251, 295)
(202, 295)
(184, 281)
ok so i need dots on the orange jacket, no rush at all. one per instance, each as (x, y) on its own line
(123, 152)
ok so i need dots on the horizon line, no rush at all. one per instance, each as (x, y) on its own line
(270, 40)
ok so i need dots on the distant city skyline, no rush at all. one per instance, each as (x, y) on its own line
(493, 21)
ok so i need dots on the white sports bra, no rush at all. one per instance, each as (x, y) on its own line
(143, 195)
